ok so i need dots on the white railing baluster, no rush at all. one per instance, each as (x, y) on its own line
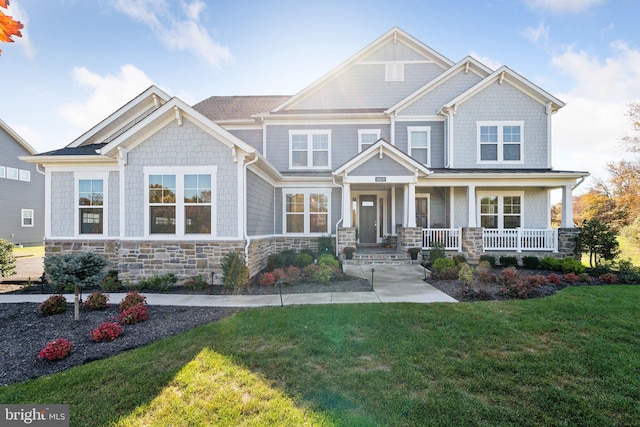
(520, 239)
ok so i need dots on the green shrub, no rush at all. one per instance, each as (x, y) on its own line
(441, 264)
(488, 258)
(328, 259)
(465, 274)
(66, 271)
(460, 259)
(110, 282)
(96, 301)
(551, 263)
(7, 259)
(131, 300)
(531, 262)
(159, 283)
(308, 252)
(196, 283)
(436, 252)
(571, 265)
(323, 274)
(53, 305)
(234, 271)
(508, 261)
(325, 245)
(302, 260)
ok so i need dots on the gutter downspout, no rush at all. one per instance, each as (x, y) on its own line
(578, 183)
(335, 184)
(244, 214)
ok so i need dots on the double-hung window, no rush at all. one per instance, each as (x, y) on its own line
(180, 203)
(26, 217)
(309, 149)
(91, 202)
(503, 210)
(500, 142)
(306, 211)
(420, 143)
(367, 137)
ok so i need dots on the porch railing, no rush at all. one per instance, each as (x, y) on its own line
(520, 239)
(450, 238)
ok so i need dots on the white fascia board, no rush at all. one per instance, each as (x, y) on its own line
(396, 34)
(388, 150)
(365, 179)
(153, 90)
(17, 137)
(512, 78)
(548, 182)
(71, 160)
(478, 68)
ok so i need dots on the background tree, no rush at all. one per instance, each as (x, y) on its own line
(7, 259)
(598, 240)
(632, 142)
(74, 271)
(8, 26)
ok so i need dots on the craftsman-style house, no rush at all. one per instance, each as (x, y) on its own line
(398, 144)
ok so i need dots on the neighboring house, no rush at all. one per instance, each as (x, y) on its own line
(21, 191)
(397, 143)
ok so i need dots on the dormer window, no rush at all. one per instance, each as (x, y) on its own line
(394, 72)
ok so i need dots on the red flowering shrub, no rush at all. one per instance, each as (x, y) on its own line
(279, 274)
(131, 300)
(554, 279)
(56, 350)
(135, 314)
(96, 301)
(106, 331)
(608, 278)
(537, 280)
(294, 275)
(570, 278)
(508, 277)
(53, 305)
(267, 279)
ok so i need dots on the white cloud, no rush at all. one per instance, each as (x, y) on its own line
(535, 35)
(176, 33)
(489, 62)
(25, 41)
(563, 6)
(587, 131)
(108, 93)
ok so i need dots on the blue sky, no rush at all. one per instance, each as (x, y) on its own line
(79, 60)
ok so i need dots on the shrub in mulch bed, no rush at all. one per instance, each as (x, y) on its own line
(53, 305)
(133, 315)
(106, 331)
(56, 350)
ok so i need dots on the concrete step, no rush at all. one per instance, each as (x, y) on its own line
(381, 259)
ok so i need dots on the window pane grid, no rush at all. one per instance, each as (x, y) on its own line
(500, 143)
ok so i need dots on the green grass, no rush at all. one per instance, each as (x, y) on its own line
(629, 249)
(570, 359)
(30, 251)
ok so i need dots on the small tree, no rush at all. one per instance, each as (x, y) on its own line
(598, 240)
(234, 270)
(7, 260)
(75, 271)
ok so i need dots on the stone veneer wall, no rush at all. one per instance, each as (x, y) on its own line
(346, 237)
(409, 237)
(137, 260)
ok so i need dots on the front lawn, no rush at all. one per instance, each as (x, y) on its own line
(569, 359)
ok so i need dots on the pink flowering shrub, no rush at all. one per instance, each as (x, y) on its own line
(56, 350)
(570, 277)
(131, 300)
(608, 278)
(53, 305)
(96, 301)
(267, 279)
(135, 314)
(537, 280)
(554, 279)
(279, 274)
(294, 275)
(106, 331)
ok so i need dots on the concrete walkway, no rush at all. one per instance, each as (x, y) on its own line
(391, 283)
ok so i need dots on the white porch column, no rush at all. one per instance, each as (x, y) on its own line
(393, 211)
(567, 207)
(451, 207)
(471, 197)
(411, 206)
(346, 205)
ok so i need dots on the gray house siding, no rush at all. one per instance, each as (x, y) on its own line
(380, 167)
(16, 195)
(432, 102)
(253, 137)
(62, 204)
(437, 140)
(260, 206)
(185, 145)
(499, 103)
(364, 86)
(344, 142)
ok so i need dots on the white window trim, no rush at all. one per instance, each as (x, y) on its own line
(500, 143)
(24, 175)
(12, 171)
(309, 134)
(394, 71)
(410, 130)
(180, 172)
(501, 195)
(307, 223)
(22, 217)
(104, 176)
(362, 132)
(3, 172)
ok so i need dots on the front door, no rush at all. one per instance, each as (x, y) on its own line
(368, 221)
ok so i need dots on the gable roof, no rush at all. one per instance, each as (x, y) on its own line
(504, 73)
(220, 108)
(465, 65)
(395, 34)
(17, 137)
(382, 148)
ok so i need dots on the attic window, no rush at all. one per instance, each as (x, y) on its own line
(394, 72)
